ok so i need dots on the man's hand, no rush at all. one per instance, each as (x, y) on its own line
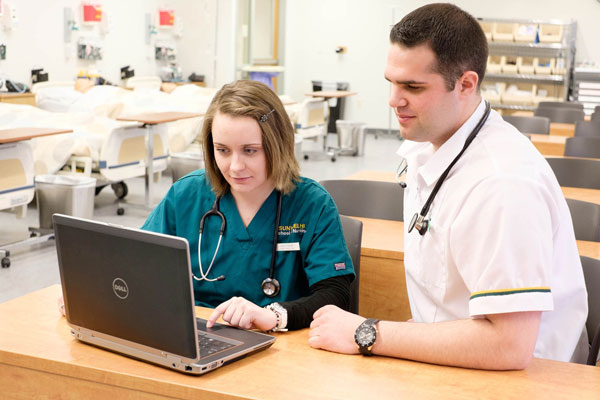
(333, 329)
(244, 314)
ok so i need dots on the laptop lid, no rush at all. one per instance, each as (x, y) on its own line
(127, 284)
(130, 291)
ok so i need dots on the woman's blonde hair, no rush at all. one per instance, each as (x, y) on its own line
(256, 100)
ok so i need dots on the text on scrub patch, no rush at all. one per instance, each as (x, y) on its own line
(285, 230)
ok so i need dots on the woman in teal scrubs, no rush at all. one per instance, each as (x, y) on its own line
(249, 153)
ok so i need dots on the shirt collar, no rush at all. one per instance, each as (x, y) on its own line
(430, 165)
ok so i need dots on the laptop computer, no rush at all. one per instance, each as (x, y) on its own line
(130, 291)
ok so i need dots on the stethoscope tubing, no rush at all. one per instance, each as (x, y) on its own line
(422, 215)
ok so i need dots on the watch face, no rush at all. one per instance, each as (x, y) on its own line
(365, 335)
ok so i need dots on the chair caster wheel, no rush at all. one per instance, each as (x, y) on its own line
(120, 211)
(306, 157)
(5, 262)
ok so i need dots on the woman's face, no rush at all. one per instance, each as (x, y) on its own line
(240, 155)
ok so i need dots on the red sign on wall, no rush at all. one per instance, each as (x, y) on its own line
(92, 12)
(166, 17)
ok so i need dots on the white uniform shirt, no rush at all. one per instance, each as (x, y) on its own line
(500, 238)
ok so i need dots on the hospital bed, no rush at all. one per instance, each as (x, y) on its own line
(109, 150)
(121, 155)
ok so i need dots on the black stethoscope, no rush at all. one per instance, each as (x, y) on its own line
(419, 220)
(270, 286)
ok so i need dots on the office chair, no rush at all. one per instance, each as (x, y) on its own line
(312, 124)
(560, 104)
(586, 219)
(576, 172)
(561, 115)
(587, 129)
(353, 236)
(367, 199)
(591, 273)
(588, 147)
(529, 124)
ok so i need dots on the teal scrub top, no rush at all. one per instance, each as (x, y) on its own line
(309, 218)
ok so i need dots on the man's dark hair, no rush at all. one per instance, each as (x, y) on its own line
(455, 37)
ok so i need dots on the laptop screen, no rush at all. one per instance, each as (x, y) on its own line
(127, 283)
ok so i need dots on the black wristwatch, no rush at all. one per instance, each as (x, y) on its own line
(365, 336)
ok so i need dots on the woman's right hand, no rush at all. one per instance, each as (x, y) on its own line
(244, 314)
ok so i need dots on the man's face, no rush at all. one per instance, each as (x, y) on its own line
(426, 110)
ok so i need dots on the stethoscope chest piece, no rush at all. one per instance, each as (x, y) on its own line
(418, 221)
(270, 287)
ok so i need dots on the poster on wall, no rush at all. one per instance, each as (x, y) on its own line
(166, 18)
(92, 12)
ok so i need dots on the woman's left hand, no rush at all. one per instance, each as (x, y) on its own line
(244, 314)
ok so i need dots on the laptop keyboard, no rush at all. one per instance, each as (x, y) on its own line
(210, 344)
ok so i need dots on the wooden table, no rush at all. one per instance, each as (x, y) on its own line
(19, 134)
(40, 359)
(331, 94)
(560, 129)
(549, 145)
(149, 120)
(18, 98)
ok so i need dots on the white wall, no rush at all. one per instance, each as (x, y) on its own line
(37, 40)
(315, 27)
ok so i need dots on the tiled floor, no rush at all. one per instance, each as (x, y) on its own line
(36, 267)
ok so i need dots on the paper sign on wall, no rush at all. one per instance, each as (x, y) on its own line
(166, 17)
(92, 12)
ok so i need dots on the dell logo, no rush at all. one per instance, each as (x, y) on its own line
(120, 288)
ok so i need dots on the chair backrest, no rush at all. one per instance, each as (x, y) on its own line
(562, 115)
(529, 124)
(576, 172)
(582, 147)
(591, 273)
(367, 199)
(586, 219)
(587, 129)
(353, 236)
(560, 104)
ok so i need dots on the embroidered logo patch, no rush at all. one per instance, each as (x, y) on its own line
(339, 266)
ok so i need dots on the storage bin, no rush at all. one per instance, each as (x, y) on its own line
(503, 32)
(544, 66)
(519, 94)
(548, 93)
(494, 65)
(64, 194)
(492, 92)
(551, 33)
(526, 65)
(525, 33)
(487, 28)
(509, 65)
